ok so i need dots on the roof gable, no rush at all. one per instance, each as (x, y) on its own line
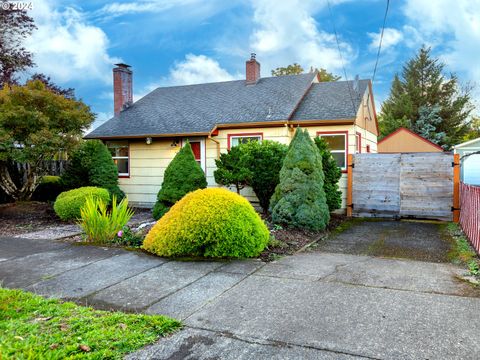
(410, 133)
(470, 143)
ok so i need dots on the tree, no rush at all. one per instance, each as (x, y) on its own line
(182, 176)
(422, 83)
(15, 26)
(296, 69)
(91, 164)
(232, 169)
(68, 93)
(293, 69)
(474, 129)
(332, 175)
(264, 160)
(427, 123)
(299, 200)
(35, 124)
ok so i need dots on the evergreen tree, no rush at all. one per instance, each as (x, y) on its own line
(332, 175)
(427, 123)
(299, 200)
(232, 169)
(91, 164)
(182, 176)
(422, 83)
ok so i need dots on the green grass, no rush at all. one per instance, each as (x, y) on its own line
(32, 327)
(461, 251)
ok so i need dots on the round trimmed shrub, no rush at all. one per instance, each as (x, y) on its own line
(211, 222)
(68, 204)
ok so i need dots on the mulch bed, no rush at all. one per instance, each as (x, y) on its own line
(289, 241)
(22, 217)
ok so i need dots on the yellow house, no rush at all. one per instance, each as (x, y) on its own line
(144, 136)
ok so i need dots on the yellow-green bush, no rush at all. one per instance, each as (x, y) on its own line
(209, 222)
(68, 204)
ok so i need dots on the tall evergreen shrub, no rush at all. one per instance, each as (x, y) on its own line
(332, 174)
(182, 176)
(91, 164)
(299, 200)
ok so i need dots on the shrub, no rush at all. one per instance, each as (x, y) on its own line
(91, 164)
(68, 204)
(48, 189)
(182, 175)
(332, 174)
(232, 169)
(299, 200)
(101, 225)
(212, 222)
(264, 160)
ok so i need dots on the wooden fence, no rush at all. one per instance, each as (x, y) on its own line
(417, 185)
(470, 213)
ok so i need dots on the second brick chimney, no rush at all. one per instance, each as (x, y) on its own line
(122, 87)
(252, 70)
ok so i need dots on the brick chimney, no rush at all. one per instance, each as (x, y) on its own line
(252, 70)
(122, 87)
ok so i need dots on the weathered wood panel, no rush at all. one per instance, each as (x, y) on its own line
(403, 185)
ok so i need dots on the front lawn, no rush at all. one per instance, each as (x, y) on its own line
(36, 328)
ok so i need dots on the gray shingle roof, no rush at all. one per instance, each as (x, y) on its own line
(198, 108)
(331, 101)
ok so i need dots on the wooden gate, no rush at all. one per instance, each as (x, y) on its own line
(411, 185)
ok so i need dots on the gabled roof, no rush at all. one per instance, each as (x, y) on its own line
(331, 101)
(198, 109)
(411, 133)
(467, 143)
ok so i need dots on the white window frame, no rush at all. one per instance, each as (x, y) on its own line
(243, 136)
(345, 151)
(202, 150)
(127, 174)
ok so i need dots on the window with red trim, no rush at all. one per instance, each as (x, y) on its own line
(197, 153)
(120, 155)
(337, 144)
(243, 139)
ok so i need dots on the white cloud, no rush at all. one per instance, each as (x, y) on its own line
(195, 69)
(286, 32)
(123, 8)
(453, 27)
(67, 48)
(391, 37)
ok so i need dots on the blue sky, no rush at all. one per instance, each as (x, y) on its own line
(170, 42)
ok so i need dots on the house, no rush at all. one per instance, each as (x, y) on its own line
(470, 161)
(144, 136)
(404, 140)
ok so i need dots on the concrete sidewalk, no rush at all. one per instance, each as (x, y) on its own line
(310, 306)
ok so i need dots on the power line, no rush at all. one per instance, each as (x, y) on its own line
(341, 57)
(381, 39)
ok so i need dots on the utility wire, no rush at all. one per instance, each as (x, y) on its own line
(341, 57)
(381, 39)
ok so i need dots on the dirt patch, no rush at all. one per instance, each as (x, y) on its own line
(289, 241)
(24, 217)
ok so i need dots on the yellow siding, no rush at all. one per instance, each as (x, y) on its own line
(148, 162)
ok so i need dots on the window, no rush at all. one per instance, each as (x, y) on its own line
(368, 148)
(337, 144)
(358, 143)
(238, 139)
(120, 155)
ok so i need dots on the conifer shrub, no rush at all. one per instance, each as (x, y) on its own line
(264, 160)
(182, 176)
(332, 175)
(212, 222)
(69, 203)
(299, 200)
(91, 164)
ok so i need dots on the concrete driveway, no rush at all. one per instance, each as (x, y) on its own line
(314, 305)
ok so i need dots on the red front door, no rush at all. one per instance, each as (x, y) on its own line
(196, 151)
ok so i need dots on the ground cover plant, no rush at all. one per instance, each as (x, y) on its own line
(182, 176)
(36, 328)
(91, 164)
(461, 251)
(100, 224)
(211, 222)
(299, 200)
(69, 203)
